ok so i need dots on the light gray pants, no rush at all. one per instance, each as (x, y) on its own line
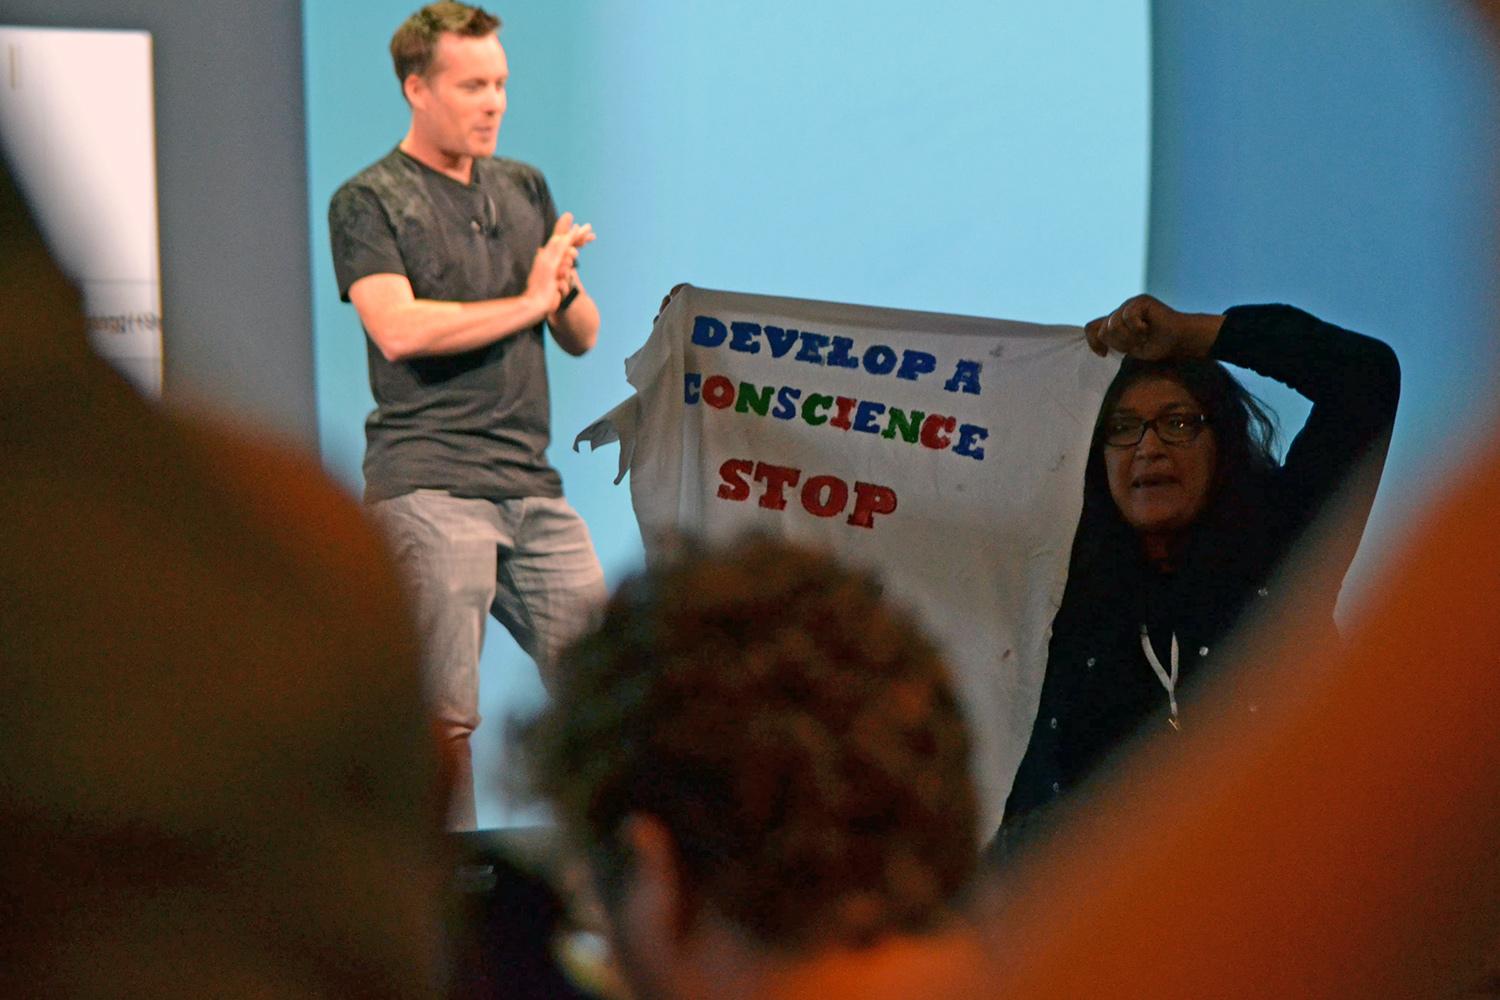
(528, 561)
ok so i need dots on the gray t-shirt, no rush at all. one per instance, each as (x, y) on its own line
(476, 424)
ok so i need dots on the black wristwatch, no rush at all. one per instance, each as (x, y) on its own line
(567, 300)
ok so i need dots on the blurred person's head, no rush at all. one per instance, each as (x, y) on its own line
(759, 755)
(218, 779)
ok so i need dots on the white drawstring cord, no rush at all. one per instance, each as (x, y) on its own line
(1168, 680)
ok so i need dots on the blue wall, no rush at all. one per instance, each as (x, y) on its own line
(1342, 157)
(971, 157)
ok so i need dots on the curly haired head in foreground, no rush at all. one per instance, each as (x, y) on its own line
(796, 735)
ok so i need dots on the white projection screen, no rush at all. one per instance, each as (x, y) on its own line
(77, 120)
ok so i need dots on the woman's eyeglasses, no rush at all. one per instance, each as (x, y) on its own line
(1124, 430)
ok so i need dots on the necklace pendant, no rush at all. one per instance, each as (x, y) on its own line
(1176, 726)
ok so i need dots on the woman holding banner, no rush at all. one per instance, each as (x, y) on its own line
(1187, 515)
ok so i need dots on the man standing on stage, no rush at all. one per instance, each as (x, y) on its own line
(454, 259)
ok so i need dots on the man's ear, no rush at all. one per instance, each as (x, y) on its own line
(656, 900)
(414, 86)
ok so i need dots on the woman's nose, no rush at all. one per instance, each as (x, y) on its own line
(1150, 443)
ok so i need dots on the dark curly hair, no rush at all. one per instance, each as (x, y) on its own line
(415, 41)
(797, 735)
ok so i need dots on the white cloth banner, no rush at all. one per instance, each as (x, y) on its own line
(944, 452)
